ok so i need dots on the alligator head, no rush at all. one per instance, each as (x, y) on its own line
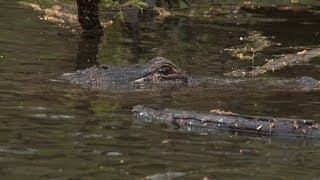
(156, 72)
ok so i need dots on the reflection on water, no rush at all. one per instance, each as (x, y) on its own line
(50, 129)
(87, 51)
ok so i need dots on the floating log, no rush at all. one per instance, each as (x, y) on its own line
(208, 122)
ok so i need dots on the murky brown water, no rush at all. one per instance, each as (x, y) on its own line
(52, 130)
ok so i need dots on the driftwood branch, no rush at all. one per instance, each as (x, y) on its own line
(279, 63)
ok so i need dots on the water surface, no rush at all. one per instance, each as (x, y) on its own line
(54, 130)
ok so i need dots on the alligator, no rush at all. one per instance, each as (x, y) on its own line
(160, 72)
(156, 72)
(227, 121)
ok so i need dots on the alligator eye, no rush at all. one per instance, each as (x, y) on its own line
(104, 66)
(165, 70)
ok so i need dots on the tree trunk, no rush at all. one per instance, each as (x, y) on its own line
(88, 16)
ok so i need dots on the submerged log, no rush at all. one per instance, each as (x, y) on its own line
(210, 122)
(280, 10)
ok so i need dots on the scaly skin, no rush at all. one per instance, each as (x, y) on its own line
(162, 73)
(155, 73)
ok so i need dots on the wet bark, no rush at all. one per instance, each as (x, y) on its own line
(88, 16)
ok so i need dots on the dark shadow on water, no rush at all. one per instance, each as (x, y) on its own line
(88, 49)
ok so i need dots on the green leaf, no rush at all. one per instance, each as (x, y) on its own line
(121, 16)
(183, 4)
(138, 3)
